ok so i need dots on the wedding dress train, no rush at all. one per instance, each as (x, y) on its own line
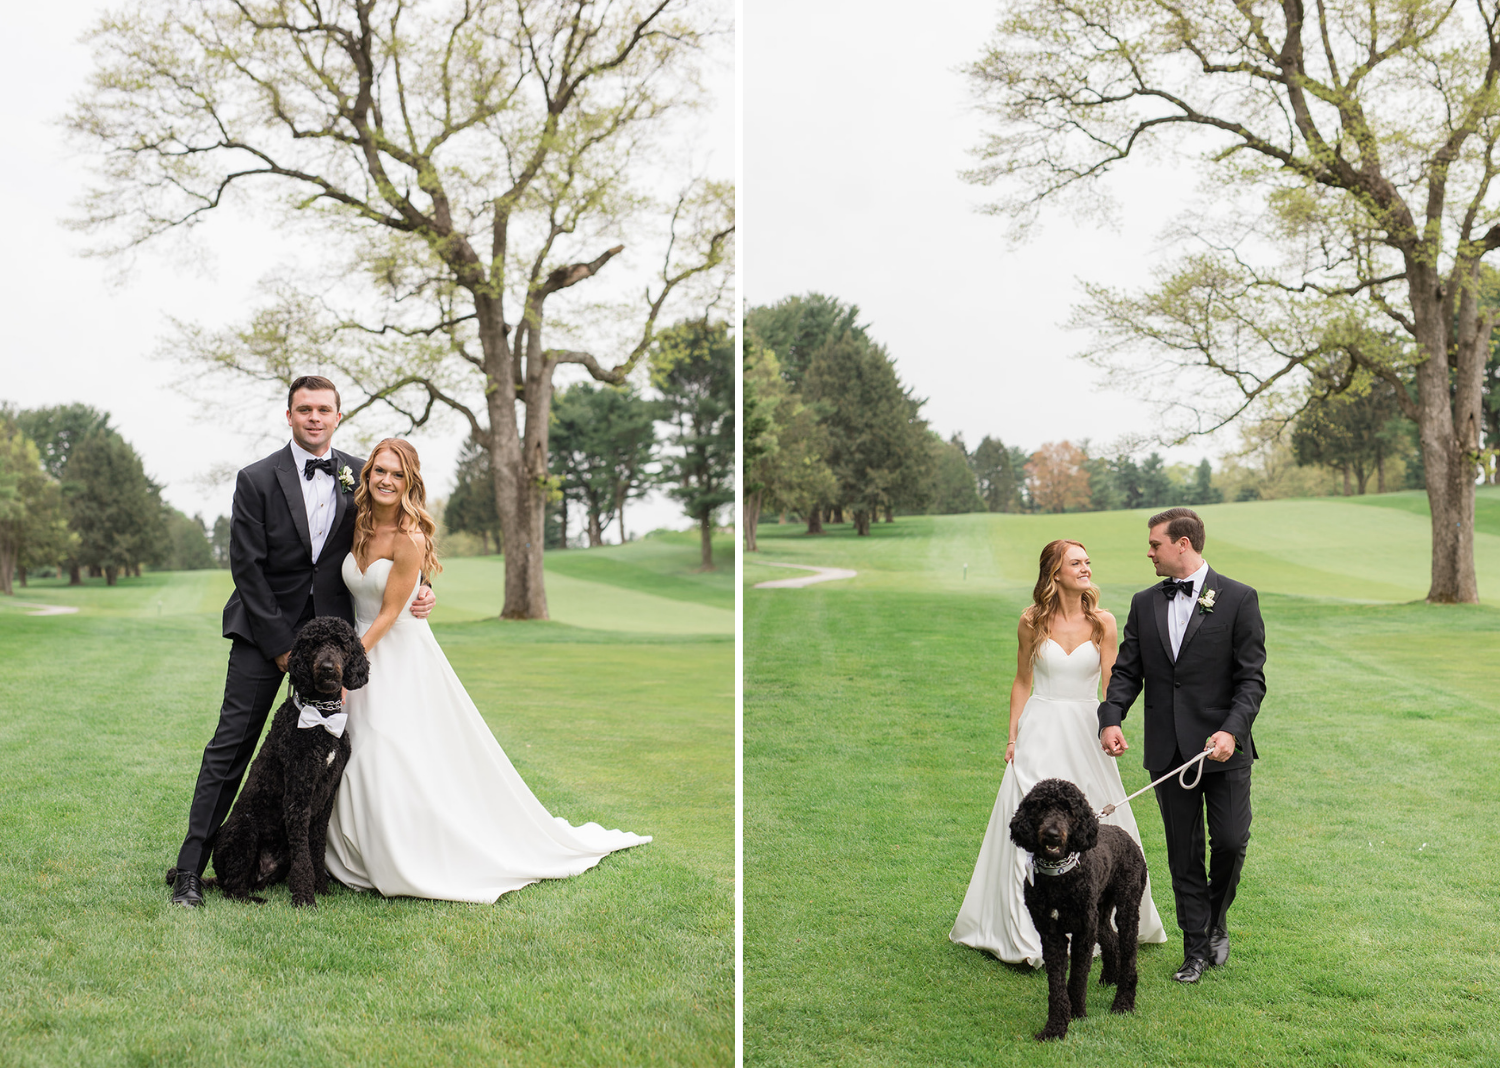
(430, 805)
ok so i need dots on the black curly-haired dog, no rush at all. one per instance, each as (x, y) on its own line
(1083, 872)
(279, 823)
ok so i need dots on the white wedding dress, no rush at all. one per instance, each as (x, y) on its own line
(430, 805)
(1058, 738)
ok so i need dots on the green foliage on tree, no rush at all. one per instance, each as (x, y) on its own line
(876, 439)
(795, 328)
(471, 505)
(190, 549)
(784, 443)
(955, 490)
(603, 444)
(1000, 476)
(220, 542)
(114, 508)
(1355, 433)
(57, 429)
(33, 520)
(693, 370)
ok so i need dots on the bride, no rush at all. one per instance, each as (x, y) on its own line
(430, 805)
(1066, 643)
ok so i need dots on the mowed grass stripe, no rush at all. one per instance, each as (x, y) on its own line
(874, 721)
(632, 962)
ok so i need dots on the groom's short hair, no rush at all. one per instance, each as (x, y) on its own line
(313, 382)
(1181, 523)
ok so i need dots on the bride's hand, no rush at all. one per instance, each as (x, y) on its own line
(1010, 752)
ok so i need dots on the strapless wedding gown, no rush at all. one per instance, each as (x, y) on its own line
(1058, 739)
(430, 805)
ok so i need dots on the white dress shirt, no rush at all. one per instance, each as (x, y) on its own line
(1180, 608)
(319, 497)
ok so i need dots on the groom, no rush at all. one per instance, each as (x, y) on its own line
(291, 525)
(1197, 644)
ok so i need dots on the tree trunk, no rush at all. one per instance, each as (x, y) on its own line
(7, 566)
(596, 535)
(75, 577)
(95, 571)
(861, 522)
(838, 514)
(562, 508)
(1348, 491)
(781, 518)
(519, 499)
(1379, 471)
(815, 519)
(1362, 478)
(750, 518)
(706, 530)
(21, 573)
(890, 514)
(1448, 421)
(110, 574)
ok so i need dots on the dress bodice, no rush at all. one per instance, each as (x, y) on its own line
(367, 589)
(1067, 676)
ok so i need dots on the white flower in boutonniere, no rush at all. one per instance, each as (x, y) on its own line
(1206, 602)
(346, 478)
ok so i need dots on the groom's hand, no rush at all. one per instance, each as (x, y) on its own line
(1222, 744)
(1113, 741)
(281, 661)
(422, 606)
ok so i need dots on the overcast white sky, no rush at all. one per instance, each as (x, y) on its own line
(72, 334)
(857, 123)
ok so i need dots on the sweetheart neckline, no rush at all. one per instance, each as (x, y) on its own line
(1054, 641)
(365, 571)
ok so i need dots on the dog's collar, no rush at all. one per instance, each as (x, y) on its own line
(1048, 867)
(326, 714)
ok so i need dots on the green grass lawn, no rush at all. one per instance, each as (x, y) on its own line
(1365, 931)
(105, 716)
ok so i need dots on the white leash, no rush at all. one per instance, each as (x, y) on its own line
(1181, 774)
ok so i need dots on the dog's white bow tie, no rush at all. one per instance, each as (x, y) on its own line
(312, 715)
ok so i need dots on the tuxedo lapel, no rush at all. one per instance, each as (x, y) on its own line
(286, 474)
(1160, 602)
(340, 498)
(1210, 582)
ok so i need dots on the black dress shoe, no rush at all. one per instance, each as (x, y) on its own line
(1191, 971)
(187, 889)
(1218, 945)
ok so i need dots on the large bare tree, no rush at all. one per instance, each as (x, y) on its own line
(458, 166)
(1353, 145)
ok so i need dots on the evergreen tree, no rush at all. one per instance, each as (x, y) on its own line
(220, 542)
(33, 523)
(1203, 491)
(603, 442)
(954, 488)
(471, 505)
(996, 473)
(693, 368)
(114, 508)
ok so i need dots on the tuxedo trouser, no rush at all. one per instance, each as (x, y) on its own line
(250, 690)
(1203, 899)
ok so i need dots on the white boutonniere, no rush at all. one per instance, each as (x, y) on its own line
(1206, 602)
(346, 478)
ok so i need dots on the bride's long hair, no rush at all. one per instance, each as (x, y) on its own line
(413, 513)
(1046, 598)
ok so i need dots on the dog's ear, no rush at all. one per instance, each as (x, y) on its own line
(356, 663)
(1023, 825)
(299, 661)
(1085, 833)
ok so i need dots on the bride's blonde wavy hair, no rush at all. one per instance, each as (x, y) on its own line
(1046, 598)
(413, 506)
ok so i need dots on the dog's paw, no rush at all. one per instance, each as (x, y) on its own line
(1106, 978)
(1123, 1005)
(304, 902)
(1080, 1014)
(1050, 1034)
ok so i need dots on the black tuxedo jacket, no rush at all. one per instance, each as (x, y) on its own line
(270, 553)
(1215, 683)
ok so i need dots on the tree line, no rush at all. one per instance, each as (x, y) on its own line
(610, 445)
(830, 429)
(75, 497)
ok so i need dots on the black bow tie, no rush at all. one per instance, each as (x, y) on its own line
(1172, 587)
(325, 464)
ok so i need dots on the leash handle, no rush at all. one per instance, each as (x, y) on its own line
(1181, 774)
